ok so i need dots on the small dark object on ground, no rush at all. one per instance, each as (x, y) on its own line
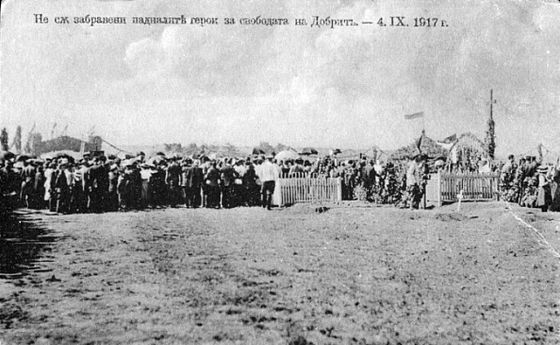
(53, 279)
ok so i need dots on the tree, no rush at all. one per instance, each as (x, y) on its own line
(17, 140)
(490, 140)
(4, 139)
(191, 149)
(27, 148)
(173, 148)
(36, 141)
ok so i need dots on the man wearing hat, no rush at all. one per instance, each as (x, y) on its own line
(78, 192)
(39, 187)
(186, 171)
(196, 184)
(228, 176)
(268, 174)
(250, 186)
(172, 179)
(98, 185)
(112, 198)
(27, 178)
(212, 186)
(60, 188)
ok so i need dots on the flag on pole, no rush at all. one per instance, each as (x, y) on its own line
(414, 116)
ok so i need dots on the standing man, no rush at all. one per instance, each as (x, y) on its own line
(60, 188)
(212, 180)
(228, 176)
(368, 178)
(49, 185)
(98, 185)
(78, 195)
(239, 189)
(186, 182)
(413, 182)
(27, 183)
(250, 186)
(173, 179)
(196, 184)
(112, 201)
(268, 174)
(39, 187)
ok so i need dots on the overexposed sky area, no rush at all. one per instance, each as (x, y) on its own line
(347, 87)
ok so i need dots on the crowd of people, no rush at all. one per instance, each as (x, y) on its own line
(531, 183)
(97, 183)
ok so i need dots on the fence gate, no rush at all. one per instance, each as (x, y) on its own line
(293, 190)
(445, 187)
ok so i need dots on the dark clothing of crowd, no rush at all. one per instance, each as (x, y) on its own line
(101, 185)
(531, 183)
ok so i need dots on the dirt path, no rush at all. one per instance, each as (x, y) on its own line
(248, 276)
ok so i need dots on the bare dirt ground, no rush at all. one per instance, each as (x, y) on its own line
(350, 275)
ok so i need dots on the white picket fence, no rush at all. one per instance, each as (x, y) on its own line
(446, 187)
(301, 188)
(441, 187)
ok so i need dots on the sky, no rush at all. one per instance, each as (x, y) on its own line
(347, 87)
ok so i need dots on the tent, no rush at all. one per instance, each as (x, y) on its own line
(307, 151)
(427, 146)
(286, 155)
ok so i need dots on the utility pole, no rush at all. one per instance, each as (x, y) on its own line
(490, 133)
(491, 104)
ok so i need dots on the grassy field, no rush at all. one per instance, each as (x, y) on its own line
(351, 275)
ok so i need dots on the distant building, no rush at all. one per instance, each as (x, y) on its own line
(65, 142)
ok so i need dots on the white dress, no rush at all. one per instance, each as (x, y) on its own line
(48, 178)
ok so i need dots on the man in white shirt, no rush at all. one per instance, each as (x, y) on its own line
(268, 174)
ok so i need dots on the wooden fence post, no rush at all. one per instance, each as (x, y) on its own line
(338, 189)
(438, 189)
(281, 193)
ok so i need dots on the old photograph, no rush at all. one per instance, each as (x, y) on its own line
(315, 172)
